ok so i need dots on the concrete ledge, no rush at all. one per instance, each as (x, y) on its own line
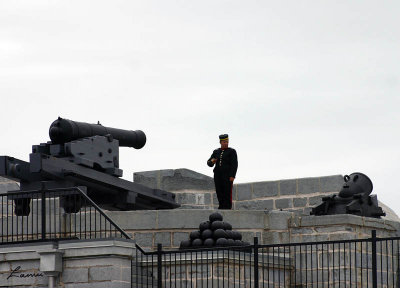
(174, 180)
(15, 252)
(185, 219)
(315, 221)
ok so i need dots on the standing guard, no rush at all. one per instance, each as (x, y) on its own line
(226, 164)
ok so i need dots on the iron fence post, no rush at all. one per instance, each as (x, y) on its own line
(374, 270)
(43, 197)
(255, 262)
(159, 267)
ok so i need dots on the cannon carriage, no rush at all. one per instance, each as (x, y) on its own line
(84, 156)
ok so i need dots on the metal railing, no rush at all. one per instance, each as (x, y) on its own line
(372, 262)
(50, 214)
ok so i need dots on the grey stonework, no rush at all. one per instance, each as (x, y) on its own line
(174, 180)
(196, 191)
(94, 263)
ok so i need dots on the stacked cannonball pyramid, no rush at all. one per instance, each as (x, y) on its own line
(213, 233)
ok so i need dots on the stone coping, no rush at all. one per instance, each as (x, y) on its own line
(344, 219)
(70, 248)
(186, 219)
(234, 257)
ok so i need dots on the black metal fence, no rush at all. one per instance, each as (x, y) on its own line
(50, 214)
(372, 262)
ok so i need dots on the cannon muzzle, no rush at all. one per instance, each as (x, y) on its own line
(64, 130)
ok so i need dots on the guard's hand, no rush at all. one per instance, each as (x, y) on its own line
(213, 160)
(231, 179)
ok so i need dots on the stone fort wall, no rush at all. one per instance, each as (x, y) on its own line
(196, 191)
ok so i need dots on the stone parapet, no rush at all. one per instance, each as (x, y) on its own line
(339, 227)
(85, 263)
(196, 191)
(170, 227)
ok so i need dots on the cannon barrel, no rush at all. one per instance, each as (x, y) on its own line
(64, 130)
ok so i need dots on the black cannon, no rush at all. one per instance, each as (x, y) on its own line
(353, 198)
(64, 130)
(86, 156)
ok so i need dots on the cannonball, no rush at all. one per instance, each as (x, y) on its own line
(215, 217)
(226, 226)
(229, 234)
(230, 242)
(221, 242)
(209, 242)
(185, 244)
(204, 225)
(195, 235)
(238, 243)
(197, 242)
(236, 235)
(206, 234)
(219, 233)
(217, 225)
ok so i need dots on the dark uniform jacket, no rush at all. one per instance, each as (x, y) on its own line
(227, 162)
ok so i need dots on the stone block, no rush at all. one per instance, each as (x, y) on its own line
(147, 178)
(163, 238)
(377, 223)
(332, 229)
(178, 237)
(134, 220)
(307, 211)
(25, 265)
(299, 202)
(248, 236)
(331, 220)
(308, 185)
(283, 203)
(278, 220)
(144, 239)
(244, 219)
(187, 179)
(188, 206)
(22, 255)
(297, 212)
(18, 281)
(243, 191)
(288, 187)
(276, 237)
(207, 198)
(103, 284)
(302, 231)
(8, 186)
(186, 198)
(107, 273)
(98, 261)
(75, 275)
(214, 199)
(5, 266)
(124, 274)
(314, 238)
(181, 218)
(265, 189)
(255, 205)
(174, 180)
(341, 236)
(331, 183)
(315, 200)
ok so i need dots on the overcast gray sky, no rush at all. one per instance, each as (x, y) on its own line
(304, 88)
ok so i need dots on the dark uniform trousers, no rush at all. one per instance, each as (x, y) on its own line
(225, 167)
(223, 187)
